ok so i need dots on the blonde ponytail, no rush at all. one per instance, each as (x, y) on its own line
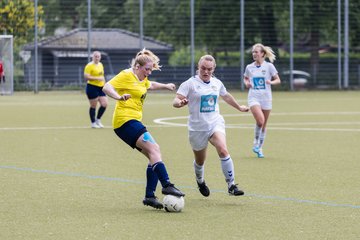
(269, 53)
(145, 56)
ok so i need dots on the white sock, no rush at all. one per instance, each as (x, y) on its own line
(257, 131)
(262, 138)
(227, 167)
(199, 172)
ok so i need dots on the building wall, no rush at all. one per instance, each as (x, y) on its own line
(68, 71)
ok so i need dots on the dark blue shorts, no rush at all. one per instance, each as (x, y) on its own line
(94, 91)
(130, 132)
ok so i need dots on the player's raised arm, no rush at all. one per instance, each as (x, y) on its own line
(157, 85)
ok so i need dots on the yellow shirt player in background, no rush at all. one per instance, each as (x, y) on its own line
(129, 89)
(94, 74)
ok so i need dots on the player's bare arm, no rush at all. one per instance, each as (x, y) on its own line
(109, 90)
(167, 86)
(229, 99)
(180, 101)
(89, 77)
(247, 82)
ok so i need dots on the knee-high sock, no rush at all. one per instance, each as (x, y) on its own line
(160, 170)
(151, 182)
(199, 172)
(262, 138)
(257, 131)
(227, 166)
(92, 112)
(100, 112)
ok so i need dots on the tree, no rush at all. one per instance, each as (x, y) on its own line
(71, 14)
(18, 19)
(354, 14)
(210, 28)
(315, 23)
(267, 25)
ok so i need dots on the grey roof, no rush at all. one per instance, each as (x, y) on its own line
(101, 38)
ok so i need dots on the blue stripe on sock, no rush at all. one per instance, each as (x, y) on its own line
(226, 159)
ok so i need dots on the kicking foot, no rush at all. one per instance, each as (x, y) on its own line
(235, 191)
(204, 190)
(152, 202)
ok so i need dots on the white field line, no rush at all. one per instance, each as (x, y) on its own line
(239, 126)
(296, 124)
(168, 122)
(134, 181)
(296, 114)
(40, 128)
(165, 120)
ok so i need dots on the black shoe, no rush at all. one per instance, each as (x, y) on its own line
(152, 202)
(233, 190)
(204, 190)
(172, 190)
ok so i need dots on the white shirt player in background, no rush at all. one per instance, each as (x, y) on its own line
(258, 78)
(201, 93)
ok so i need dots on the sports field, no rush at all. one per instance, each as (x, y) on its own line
(60, 179)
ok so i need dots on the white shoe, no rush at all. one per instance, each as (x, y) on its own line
(94, 125)
(99, 123)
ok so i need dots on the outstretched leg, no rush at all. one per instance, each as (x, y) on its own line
(151, 150)
(218, 140)
(151, 183)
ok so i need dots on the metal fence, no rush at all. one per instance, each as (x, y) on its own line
(318, 42)
(6, 65)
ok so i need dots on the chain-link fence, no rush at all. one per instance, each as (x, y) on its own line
(6, 65)
(318, 42)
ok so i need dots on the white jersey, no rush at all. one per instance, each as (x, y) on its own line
(258, 75)
(203, 102)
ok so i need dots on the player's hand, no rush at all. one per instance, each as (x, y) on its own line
(248, 84)
(170, 86)
(183, 102)
(125, 97)
(244, 108)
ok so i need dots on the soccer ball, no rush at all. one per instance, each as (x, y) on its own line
(173, 203)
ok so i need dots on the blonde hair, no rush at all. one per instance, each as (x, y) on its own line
(207, 58)
(95, 53)
(269, 53)
(145, 56)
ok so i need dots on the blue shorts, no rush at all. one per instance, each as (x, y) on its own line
(94, 91)
(130, 132)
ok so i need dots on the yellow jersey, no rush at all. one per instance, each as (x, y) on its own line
(95, 70)
(127, 82)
